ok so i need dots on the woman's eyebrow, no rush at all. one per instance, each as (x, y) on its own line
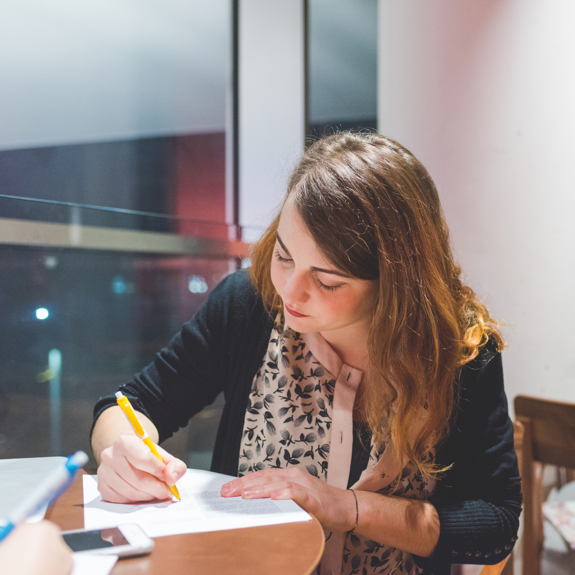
(314, 268)
(282, 244)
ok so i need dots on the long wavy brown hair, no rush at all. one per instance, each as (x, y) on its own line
(374, 213)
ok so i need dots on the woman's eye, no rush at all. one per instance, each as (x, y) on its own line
(280, 259)
(328, 288)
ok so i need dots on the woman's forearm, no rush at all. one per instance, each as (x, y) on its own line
(408, 524)
(111, 424)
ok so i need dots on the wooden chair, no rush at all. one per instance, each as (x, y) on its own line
(549, 439)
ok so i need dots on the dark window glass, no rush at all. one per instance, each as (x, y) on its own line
(342, 65)
(112, 204)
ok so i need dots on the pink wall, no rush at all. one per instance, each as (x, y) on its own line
(483, 93)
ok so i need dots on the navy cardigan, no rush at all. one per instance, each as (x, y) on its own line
(220, 350)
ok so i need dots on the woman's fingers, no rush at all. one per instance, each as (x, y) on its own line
(278, 490)
(174, 469)
(237, 486)
(129, 452)
(130, 472)
(125, 484)
(280, 485)
(267, 477)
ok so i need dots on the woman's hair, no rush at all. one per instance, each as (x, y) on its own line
(374, 213)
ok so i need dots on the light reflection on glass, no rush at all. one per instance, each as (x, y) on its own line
(42, 313)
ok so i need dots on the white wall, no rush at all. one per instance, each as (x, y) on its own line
(483, 93)
(271, 105)
(111, 69)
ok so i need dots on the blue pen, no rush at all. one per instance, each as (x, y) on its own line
(51, 488)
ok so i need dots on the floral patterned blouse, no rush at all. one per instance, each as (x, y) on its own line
(300, 415)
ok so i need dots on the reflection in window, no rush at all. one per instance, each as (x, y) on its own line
(113, 120)
(342, 65)
(76, 324)
(121, 105)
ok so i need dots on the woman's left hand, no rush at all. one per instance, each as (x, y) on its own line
(332, 506)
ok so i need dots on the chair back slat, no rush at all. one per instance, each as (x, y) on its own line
(518, 438)
(553, 429)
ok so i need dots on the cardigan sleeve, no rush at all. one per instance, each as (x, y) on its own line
(196, 365)
(478, 499)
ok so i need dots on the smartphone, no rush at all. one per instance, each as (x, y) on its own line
(125, 541)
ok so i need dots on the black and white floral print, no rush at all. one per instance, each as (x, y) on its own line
(288, 424)
(288, 416)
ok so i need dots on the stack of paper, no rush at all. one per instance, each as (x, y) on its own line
(19, 478)
(88, 564)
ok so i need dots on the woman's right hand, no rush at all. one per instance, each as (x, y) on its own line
(130, 472)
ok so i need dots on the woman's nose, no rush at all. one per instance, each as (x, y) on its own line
(296, 289)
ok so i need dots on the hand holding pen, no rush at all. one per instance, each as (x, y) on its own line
(128, 471)
(139, 430)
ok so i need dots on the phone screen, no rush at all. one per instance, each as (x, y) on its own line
(97, 539)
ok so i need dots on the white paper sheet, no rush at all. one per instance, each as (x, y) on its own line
(201, 509)
(87, 564)
(19, 478)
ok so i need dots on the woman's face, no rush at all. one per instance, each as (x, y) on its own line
(317, 297)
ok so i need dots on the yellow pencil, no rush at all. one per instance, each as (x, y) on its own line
(128, 410)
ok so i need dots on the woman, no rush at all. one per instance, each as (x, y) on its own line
(362, 378)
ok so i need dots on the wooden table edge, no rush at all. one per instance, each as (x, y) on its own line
(67, 513)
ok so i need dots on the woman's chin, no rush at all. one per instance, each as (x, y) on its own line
(297, 324)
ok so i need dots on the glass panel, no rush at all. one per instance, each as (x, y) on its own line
(76, 324)
(113, 123)
(342, 65)
(120, 105)
(36, 210)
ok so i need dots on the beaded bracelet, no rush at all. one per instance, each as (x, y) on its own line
(356, 512)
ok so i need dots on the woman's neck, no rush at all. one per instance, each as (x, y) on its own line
(350, 345)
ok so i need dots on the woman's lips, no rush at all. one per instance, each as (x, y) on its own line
(294, 313)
